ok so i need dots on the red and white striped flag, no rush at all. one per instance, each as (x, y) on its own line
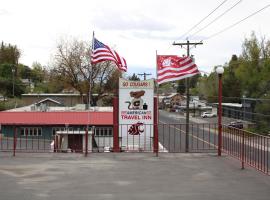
(172, 68)
(102, 52)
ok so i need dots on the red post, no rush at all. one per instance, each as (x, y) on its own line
(156, 126)
(26, 137)
(57, 143)
(86, 141)
(243, 150)
(93, 139)
(115, 125)
(219, 113)
(54, 144)
(14, 141)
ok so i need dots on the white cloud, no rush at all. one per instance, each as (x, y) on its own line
(118, 21)
(3, 12)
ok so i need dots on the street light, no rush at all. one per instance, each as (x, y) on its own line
(13, 71)
(219, 71)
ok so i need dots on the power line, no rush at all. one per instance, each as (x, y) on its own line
(202, 19)
(218, 17)
(238, 22)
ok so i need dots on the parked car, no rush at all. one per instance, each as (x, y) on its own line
(208, 114)
(236, 124)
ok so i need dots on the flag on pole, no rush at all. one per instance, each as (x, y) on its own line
(172, 68)
(102, 52)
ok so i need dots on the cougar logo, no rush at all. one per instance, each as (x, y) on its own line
(166, 62)
(136, 129)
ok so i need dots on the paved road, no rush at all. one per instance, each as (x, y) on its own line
(203, 137)
(203, 134)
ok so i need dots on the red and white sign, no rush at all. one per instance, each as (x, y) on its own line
(136, 112)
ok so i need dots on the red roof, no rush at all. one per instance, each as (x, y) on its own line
(49, 118)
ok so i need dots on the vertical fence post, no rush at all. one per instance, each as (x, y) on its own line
(86, 141)
(56, 143)
(155, 126)
(267, 155)
(243, 151)
(14, 140)
(115, 125)
(219, 114)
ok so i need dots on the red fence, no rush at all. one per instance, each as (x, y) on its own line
(250, 148)
(202, 137)
(131, 138)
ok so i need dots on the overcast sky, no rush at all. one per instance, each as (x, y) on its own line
(136, 29)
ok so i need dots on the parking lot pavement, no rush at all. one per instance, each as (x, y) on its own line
(128, 176)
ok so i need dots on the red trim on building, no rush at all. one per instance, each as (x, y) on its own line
(56, 118)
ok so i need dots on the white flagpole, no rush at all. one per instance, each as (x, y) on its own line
(90, 73)
(157, 88)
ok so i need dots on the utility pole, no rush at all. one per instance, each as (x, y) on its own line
(144, 75)
(181, 44)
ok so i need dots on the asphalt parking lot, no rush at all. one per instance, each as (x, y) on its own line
(128, 176)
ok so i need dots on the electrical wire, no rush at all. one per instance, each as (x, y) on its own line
(202, 20)
(198, 23)
(218, 17)
(238, 22)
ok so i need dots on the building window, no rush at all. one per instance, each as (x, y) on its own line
(103, 132)
(62, 129)
(22, 132)
(31, 131)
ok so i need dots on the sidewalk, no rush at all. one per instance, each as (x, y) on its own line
(129, 176)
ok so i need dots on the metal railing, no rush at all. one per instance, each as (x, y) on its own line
(202, 137)
(250, 148)
(131, 138)
(64, 140)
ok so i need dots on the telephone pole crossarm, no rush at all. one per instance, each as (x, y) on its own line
(186, 43)
(144, 75)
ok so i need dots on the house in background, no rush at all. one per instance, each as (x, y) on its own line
(65, 99)
(38, 130)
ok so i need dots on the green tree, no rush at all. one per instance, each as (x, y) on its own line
(9, 58)
(37, 73)
(134, 77)
(231, 84)
(181, 86)
(72, 63)
(9, 54)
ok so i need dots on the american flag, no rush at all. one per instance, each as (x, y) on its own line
(172, 68)
(102, 52)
